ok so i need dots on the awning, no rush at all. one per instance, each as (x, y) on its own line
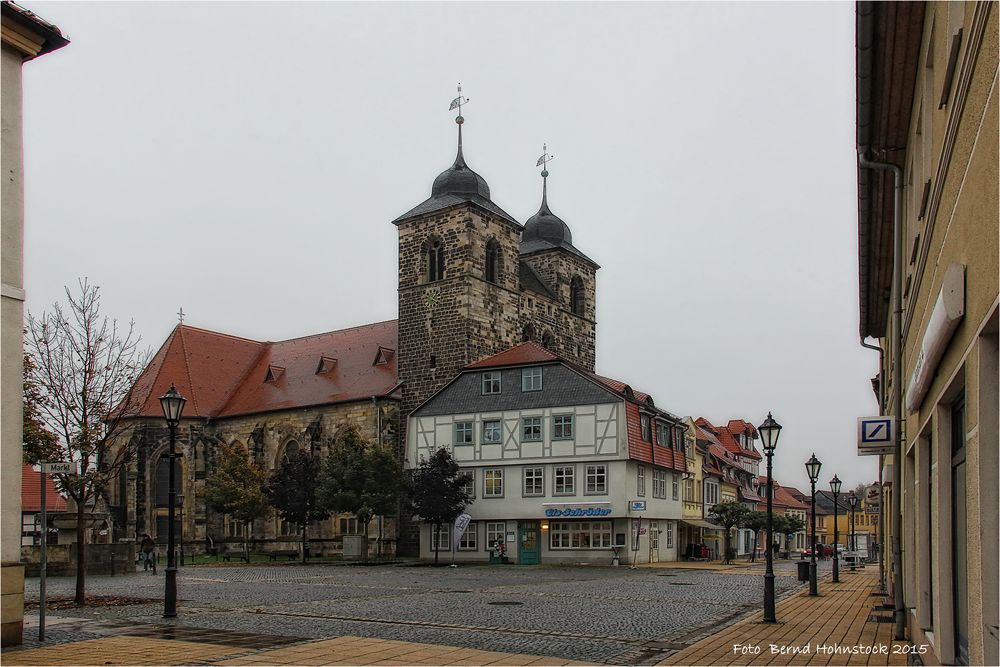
(701, 523)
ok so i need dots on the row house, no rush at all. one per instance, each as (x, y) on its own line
(565, 466)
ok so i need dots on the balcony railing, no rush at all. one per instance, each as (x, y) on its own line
(692, 508)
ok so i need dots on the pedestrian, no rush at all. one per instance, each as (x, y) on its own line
(148, 548)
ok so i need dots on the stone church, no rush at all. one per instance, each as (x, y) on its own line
(473, 281)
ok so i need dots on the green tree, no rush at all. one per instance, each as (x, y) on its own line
(755, 521)
(361, 478)
(291, 489)
(728, 515)
(439, 491)
(788, 525)
(236, 487)
(40, 444)
(82, 375)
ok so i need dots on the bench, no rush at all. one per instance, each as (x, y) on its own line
(291, 554)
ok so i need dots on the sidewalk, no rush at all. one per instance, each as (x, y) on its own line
(808, 632)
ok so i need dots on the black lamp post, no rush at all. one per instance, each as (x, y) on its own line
(173, 405)
(853, 501)
(769, 432)
(835, 487)
(812, 468)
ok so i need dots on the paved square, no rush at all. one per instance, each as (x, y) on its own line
(589, 614)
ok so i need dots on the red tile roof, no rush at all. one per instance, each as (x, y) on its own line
(223, 375)
(784, 498)
(728, 436)
(31, 492)
(525, 353)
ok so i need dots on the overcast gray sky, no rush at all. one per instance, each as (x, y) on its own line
(244, 161)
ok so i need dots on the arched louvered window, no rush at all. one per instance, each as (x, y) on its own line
(577, 298)
(528, 333)
(434, 259)
(548, 340)
(492, 261)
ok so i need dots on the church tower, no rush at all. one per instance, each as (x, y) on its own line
(559, 283)
(459, 299)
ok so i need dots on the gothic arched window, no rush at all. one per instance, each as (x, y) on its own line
(291, 450)
(548, 339)
(577, 298)
(492, 261)
(528, 333)
(434, 259)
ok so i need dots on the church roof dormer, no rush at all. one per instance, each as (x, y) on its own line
(458, 183)
(545, 230)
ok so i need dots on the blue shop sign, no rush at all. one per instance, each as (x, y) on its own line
(578, 511)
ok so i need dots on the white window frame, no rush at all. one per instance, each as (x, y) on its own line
(663, 428)
(640, 481)
(570, 477)
(675, 487)
(536, 424)
(647, 430)
(488, 424)
(491, 383)
(466, 428)
(599, 473)
(530, 377)
(466, 544)
(493, 529)
(493, 475)
(471, 484)
(444, 534)
(580, 535)
(670, 535)
(560, 424)
(537, 477)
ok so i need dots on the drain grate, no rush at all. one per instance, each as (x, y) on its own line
(666, 575)
(681, 583)
(505, 603)
(206, 636)
(877, 618)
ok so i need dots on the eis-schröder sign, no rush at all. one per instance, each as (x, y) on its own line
(579, 511)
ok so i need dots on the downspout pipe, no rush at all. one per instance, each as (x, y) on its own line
(897, 380)
(881, 507)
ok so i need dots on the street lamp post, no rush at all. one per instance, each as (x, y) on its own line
(853, 501)
(173, 405)
(769, 432)
(835, 484)
(812, 468)
(180, 504)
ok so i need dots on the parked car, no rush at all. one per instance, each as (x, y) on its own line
(822, 551)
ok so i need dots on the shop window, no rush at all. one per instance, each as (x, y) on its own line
(580, 534)
(496, 532)
(441, 539)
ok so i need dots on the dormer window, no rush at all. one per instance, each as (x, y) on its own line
(273, 373)
(647, 433)
(383, 356)
(492, 273)
(326, 364)
(531, 379)
(491, 382)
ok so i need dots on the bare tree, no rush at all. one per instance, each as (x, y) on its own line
(84, 370)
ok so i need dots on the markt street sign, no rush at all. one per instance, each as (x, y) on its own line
(58, 468)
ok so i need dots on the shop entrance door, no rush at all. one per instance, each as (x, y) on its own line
(654, 543)
(959, 533)
(529, 547)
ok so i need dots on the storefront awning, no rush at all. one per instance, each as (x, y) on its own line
(701, 523)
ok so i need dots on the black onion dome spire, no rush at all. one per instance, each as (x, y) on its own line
(546, 225)
(459, 179)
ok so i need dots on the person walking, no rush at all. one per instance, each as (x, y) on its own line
(148, 548)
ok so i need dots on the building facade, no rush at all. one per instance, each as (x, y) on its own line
(25, 37)
(567, 466)
(928, 250)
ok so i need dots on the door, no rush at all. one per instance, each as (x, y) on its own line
(959, 533)
(529, 549)
(654, 542)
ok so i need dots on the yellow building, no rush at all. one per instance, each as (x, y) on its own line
(927, 114)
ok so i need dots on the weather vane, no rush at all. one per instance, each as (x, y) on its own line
(180, 315)
(457, 104)
(544, 160)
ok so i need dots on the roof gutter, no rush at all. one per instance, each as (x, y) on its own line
(895, 339)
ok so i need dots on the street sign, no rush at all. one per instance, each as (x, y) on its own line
(637, 506)
(873, 496)
(876, 435)
(58, 467)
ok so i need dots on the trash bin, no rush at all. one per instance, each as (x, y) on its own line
(803, 570)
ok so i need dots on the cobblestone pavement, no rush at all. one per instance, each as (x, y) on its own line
(594, 614)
